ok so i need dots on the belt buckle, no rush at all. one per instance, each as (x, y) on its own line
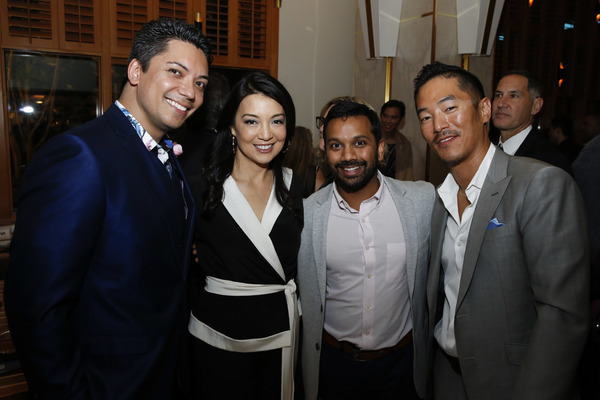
(356, 355)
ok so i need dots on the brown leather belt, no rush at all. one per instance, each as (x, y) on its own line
(365, 355)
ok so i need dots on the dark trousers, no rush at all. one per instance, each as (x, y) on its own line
(226, 375)
(343, 378)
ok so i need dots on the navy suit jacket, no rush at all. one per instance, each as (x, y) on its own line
(537, 147)
(95, 290)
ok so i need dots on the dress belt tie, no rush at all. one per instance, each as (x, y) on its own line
(285, 340)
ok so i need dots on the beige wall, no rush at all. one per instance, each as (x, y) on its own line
(316, 53)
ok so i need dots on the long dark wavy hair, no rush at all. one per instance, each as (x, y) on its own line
(219, 162)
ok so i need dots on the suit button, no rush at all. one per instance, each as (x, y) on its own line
(317, 346)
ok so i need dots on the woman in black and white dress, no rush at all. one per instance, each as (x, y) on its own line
(244, 319)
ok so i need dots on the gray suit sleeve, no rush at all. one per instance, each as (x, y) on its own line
(555, 246)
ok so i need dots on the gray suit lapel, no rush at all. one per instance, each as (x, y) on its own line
(438, 229)
(407, 213)
(491, 194)
(319, 234)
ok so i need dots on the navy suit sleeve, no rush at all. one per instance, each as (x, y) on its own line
(59, 213)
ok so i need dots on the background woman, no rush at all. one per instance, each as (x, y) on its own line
(244, 308)
(300, 158)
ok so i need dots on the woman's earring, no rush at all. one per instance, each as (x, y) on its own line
(233, 144)
(287, 147)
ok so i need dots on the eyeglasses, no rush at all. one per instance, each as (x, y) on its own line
(320, 121)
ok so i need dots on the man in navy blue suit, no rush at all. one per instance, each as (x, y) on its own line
(517, 101)
(95, 290)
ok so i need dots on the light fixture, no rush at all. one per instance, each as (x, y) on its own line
(561, 74)
(198, 21)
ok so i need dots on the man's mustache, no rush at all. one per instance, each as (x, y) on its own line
(446, 133)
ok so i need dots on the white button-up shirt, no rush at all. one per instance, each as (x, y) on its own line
(513, 143)
(367, 300)
(455, 243)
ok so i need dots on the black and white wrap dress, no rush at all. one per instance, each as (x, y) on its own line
(244, 309)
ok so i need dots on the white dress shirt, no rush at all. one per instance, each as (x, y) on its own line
(455, 243)
(514, 142)
(367, 301)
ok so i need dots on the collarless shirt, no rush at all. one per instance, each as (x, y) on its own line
(513, 143)
(366, 297)
(456, 237)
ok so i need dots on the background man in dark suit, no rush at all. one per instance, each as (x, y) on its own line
(517, 100)
(95, 290)
(585, 172)
(507, 289)
(398, 158)
(561, 135)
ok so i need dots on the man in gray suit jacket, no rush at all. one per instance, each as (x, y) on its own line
(507, 287)
(362, 270)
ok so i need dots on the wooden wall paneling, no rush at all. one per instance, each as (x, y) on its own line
(178, 9)
(29, 24)
(80, 25)
(105, 62)
(6, 209)
(273, 44)
(216, 27)
(127, 17)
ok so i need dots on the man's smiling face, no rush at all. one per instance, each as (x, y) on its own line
(452, 126)
(352, 152)
(171, 88)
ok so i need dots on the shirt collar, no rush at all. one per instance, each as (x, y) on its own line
(375, 200)
(149, 142)
(449, 189)
(513, 143)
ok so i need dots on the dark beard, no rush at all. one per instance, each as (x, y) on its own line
(357, 183)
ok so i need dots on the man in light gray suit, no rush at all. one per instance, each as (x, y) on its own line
(507, 287)
(362, 270)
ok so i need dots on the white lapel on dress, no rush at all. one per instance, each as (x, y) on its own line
(258, 233)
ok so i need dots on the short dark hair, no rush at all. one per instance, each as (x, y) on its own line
(153, 38)
(534, 85)
(394, 104)
(467, 82)
(344, 109)
(564, 123)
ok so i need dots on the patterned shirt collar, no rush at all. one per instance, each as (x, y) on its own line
(162, 148)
